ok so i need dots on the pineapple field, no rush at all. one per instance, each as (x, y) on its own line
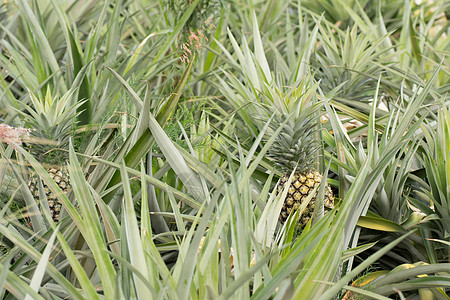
(218, 149)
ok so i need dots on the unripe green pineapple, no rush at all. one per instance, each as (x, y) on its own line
(51, 121)
(296, 148)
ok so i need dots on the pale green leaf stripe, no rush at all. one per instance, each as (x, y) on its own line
(259, 50)
(42, 266)
(371, 127)
(176, 212)
(249, 68)
(3, 277)
(112, 226)
(176, 161)
(380, 224)
(137, 53)
(142, 122)
(82, 278)
(91, 222)
(355, 251)
(133, 239)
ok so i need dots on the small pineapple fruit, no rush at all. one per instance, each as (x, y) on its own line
(303, 184)
(51, 119)
(62, 179)
(296, 148)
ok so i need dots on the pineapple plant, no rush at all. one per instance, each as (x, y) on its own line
(51, 120)
(362, 282)
(296, 147)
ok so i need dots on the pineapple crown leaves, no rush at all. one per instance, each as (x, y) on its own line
(51, 117)
(296, 146)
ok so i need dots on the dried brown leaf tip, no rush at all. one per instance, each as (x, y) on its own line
(13, 135)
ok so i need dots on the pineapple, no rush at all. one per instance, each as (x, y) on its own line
(296, 147)
(61, 177)
(51, 121)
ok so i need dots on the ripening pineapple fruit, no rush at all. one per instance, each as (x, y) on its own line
(51, 121)
(296, 147)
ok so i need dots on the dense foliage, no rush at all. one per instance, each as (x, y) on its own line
(143, 144)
